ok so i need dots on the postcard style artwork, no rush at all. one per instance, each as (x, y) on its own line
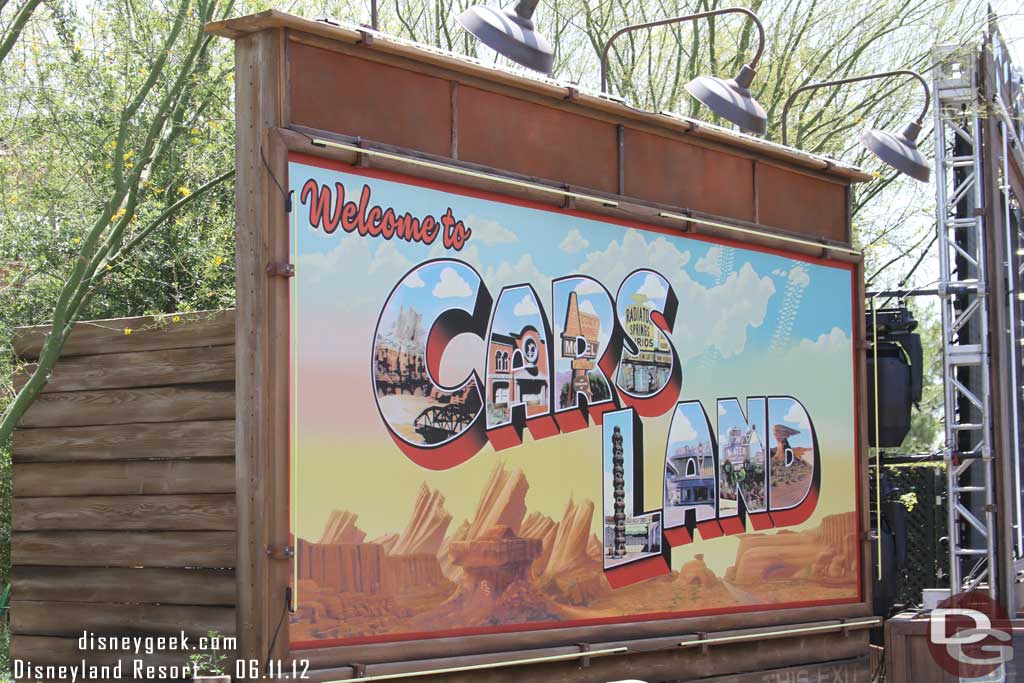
(508, 416)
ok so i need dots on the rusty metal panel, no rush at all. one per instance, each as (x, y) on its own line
(800, 203)
(669, 171)
(344, 94)
(525, 137)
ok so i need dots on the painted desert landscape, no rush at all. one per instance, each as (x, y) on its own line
(507, 566)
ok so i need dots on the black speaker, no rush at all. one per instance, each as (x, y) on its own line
(899, 374)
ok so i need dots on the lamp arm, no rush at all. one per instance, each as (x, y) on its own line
(676, 20)
(525, 8)
(857, 79)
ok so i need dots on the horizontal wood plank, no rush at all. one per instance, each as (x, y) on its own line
(123, 406)
(147, 333)
(137, 369)
(200, 512)
(127, 477)
(200, 439)
(214, 549)
(69, 619)
(118, 584)
(53, 651)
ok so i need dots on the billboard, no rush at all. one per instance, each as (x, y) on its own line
(508, 416)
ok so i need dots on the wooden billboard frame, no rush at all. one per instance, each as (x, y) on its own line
(266, 134)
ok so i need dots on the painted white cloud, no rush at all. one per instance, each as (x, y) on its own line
(834, 341)
(574, 242)
(522, 271)
(386, 264)
(612, 265)
(779, 272)
(797, 416)
(799, 276)
(653, 288)
(586, 287)
(451, 285)
(718, 316)
(682, 428)
(414, 281)
(526, 307)
(588, 307)
(490, 232)
(721, 410)
(710, 263)
(317, 267)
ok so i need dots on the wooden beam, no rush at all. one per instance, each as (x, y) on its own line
(261, 338)
(215, 401)
(127, 477)
(48, 650)
(146, 333)
(175, 586)
(214, 549)
(172, 440)
(447, 66)
(201, 512)
(69, 619)
(138, 369)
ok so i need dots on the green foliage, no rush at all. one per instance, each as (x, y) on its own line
(211, 663)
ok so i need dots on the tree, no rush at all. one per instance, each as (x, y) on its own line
(10, 33)
(127, 141)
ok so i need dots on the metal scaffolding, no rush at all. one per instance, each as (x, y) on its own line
(979, 124)
(963, 294)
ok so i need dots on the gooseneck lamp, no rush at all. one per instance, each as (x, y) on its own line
(898, 150)
(730, 99)
(510, 33)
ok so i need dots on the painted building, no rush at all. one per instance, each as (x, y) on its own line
(580, 342)
(690, 476)
(649, 370)
(517, 372)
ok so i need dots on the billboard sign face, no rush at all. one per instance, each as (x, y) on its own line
(507, 417)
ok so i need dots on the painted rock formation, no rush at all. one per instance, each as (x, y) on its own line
(365, 568)
(496, 559)
(503, 502)
(828, 552)
(425, 531)
(341, 528)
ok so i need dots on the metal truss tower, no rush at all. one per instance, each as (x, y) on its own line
(963, 292)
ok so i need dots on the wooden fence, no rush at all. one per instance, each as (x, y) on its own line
(124, 508)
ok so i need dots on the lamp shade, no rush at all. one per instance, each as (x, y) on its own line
(731, 99)
(510, 35)
(899, 150)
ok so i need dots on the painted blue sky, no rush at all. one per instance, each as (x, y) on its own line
(733, 413)
(524, 244)
(689, 427)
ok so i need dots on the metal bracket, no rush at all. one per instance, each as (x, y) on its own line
(280, 269)
(366, 38)
(280, 552)
(358, 670)
(869, 536)
(568, 201)
(703, 635)
(571, 93)
(584, 661)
